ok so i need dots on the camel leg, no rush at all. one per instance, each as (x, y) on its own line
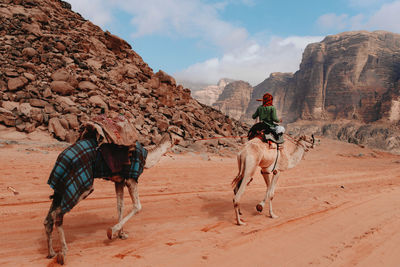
(59, 216)
(272, 193)
(119, 190)
(49, 223)
(238, 195)
(133, 191)
(270, 180)
(267, 178)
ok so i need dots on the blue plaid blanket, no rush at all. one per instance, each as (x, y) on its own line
(78, 165)
(137, 160)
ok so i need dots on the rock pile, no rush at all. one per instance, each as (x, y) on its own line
(58, 69)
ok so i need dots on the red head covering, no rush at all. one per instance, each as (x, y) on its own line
(267, 100)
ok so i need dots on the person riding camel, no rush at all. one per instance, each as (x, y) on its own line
(268, 120)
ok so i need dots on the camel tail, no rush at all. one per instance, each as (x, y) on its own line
(237, 180)
(239, 176)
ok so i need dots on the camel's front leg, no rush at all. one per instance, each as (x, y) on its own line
(267, 178)
(133, 191)
(270, 180)
(119, 191)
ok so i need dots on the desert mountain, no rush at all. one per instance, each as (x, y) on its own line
(234, 99)
(352, 77)
(275, 85)
(58, 69)
(209, 94)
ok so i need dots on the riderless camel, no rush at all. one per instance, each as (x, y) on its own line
(272, 161)
(56, 213)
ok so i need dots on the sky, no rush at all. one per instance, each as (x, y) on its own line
(202, 41)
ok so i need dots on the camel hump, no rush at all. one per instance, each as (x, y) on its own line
(117, 130)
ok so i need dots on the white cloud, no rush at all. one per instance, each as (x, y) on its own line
(386, 18)
(242, 57)
(332, 21)
(253, 62)
(97, 11)
(190, 18)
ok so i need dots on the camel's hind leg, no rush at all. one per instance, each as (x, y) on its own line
(246, 171)
(133, 191)
(49, 223)
(57, 217)
(270, 180)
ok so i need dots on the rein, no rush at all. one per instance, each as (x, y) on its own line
(276, 160)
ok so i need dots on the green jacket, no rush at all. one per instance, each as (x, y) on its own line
(267, 115)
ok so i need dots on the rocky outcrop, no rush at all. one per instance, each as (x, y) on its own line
(58, 69)
(209, 94)
(375, 135)
(277, 85)
(352, 75)
(233, 101)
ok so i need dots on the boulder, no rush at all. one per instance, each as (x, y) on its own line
(165, 78)
(56, 128)
(25, 109)
(61, 75)
(16, 83)
(7, 117)
(37, 103)
(62, 87)
(29, 52)
(97, 101)
(87, 86)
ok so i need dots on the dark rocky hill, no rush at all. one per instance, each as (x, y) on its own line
(58, 69)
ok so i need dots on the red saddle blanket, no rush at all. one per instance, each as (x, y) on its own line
(115, 130)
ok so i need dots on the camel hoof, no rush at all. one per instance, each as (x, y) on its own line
(51, 255)
(60, 258)
(241, 223)
(110, 233)
(259, 208)
(273, 216)
(123, 235)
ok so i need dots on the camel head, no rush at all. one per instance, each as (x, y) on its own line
(307, 141)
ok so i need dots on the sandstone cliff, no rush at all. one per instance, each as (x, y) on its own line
(233, 101)
(58, 69)
(352, 75)
(209, 94)
(277, 85)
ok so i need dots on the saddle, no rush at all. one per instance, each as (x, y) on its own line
(265, 133)
(116, 138)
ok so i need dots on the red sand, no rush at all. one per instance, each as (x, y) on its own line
(339, 207)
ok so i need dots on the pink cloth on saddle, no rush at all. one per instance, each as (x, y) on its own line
(111, 130)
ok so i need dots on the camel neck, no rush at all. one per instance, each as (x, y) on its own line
(154, 155)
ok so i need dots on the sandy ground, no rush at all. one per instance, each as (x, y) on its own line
(339, 207)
